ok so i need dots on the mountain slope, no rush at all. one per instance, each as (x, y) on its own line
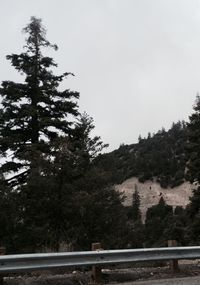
(160, 157)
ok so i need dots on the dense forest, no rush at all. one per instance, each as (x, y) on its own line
(57, 188)
(161, 157)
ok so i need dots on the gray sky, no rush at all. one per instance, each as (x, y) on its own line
(137, 62)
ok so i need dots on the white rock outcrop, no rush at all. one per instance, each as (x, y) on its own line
(150, 193)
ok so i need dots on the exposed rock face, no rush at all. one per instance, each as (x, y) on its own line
(151, 192)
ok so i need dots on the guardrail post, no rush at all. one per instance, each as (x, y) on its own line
(2, 252)
(173, 263)
(96, 270)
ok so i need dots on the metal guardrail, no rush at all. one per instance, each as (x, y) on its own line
(31, 262)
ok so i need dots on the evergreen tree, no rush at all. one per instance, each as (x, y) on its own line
(193, 145)
(158, 219)
(84, 207)
(9, 222)
(35, 117)
(135, 232)
(136, 206)
(176, 228)
(34, 113)
(193, 173)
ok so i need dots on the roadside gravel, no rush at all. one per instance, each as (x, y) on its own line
(110, 276)
(172, 281)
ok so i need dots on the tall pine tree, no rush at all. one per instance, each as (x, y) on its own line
(34, 113)
(35, 116)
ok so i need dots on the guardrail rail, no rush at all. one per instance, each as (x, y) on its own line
(31, 262)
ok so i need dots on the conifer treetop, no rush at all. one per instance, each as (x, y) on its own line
(36, 112)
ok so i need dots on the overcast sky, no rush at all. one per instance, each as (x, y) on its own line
(137, 62)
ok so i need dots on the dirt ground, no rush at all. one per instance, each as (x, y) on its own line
(109, 276)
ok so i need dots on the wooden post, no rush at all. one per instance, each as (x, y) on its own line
(96, 270)
(2, 252)
(173, 263)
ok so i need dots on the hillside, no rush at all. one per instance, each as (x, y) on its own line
(160, 157)
(156, 167)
